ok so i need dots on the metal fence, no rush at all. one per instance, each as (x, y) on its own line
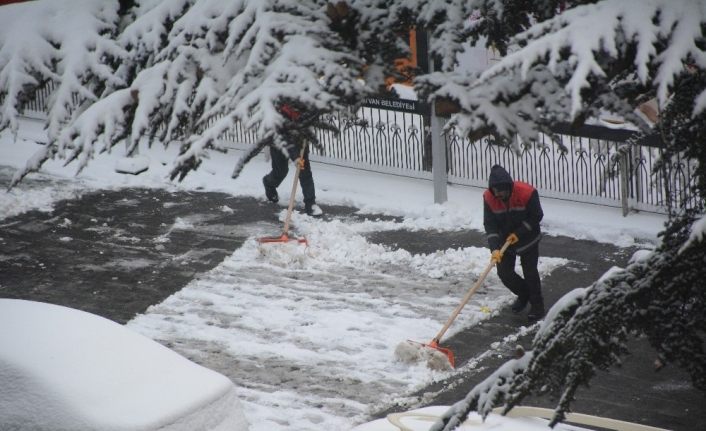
(38, 106)
(392, 136)
(589, 165)
(377, 139)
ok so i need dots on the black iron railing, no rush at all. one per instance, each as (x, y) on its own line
(583, 165)
(591, 164)
(390, 140)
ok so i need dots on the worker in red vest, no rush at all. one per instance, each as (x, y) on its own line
(280, 167)
(512, 212)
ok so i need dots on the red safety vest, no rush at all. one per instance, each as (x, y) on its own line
(521, 194)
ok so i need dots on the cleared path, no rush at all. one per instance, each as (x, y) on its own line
(115, 253)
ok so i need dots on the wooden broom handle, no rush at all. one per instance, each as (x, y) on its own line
(468, 295)
(292, 195)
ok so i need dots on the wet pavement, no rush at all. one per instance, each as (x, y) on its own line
(634, 392)
(115, 253)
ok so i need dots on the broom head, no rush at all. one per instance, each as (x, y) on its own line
(435, 356)
(282, 239)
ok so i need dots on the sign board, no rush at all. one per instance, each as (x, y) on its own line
(401, 105)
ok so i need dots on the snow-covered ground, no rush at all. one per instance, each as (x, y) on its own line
(307, 335)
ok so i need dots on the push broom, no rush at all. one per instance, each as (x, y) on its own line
(285, 232)
(438, 357)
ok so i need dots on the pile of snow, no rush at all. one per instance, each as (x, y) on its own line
(64, 369)
(308, 334)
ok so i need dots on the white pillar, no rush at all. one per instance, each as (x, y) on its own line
(438, 154)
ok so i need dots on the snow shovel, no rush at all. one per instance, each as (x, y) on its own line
(410, 350)
(285, 232)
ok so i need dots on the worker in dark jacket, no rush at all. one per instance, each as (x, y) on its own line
(512, 212)
(280, 168)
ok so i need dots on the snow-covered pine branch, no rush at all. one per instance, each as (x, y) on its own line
(581, 55)
(67, 43)
(454, 23)
(284, 52)
(304, 53)
(193, 69)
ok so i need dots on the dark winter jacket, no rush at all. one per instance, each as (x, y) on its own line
(520, 215)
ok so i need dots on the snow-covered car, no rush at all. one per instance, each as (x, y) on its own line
(521, 418)
(64, 369)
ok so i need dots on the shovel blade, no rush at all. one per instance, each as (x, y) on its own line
(435, 356)
(447, 352)
(281, 239)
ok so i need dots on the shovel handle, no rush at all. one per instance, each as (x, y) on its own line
(292, 195)
(468, 295)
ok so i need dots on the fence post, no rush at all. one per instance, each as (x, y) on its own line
(623, 173)
(639, 192)
(439, 169)
(438, 158)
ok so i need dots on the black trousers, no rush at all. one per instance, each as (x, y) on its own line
(529, 287)
(280, 168)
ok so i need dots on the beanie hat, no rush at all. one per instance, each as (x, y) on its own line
(499, 178)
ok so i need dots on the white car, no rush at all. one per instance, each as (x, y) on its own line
(64, 369)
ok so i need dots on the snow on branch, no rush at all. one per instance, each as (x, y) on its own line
(566, 64)
(282, 52)
(662, 34)
(192, 69)
(66, 43)
(484, 396)
(102, 125)
(448, 24)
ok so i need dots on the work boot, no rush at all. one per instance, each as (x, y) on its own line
(536, 312)
(519, 304)
(270, 192)
(313, 210)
